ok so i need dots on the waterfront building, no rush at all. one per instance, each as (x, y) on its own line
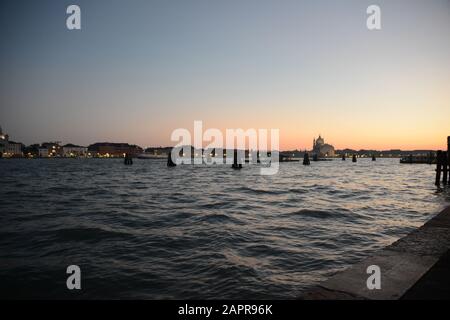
(72, 150)
(108, 149)
(31, 151)
(322, 149)
(54, 149)
(9, 148)
(43, 152)
(14, 149)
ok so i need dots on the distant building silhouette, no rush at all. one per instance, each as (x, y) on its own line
(321, 149)
(113, 149)
(50, 149)
(72, 150)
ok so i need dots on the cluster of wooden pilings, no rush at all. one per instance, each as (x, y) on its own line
(443, 165)
(128, 159)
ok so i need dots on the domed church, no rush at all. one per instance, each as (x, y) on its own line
(322, 149)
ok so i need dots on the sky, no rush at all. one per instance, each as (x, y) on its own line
(137, 70)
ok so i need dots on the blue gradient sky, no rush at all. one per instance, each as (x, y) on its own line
(139, 69)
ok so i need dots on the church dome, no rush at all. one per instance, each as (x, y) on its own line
(320, 140)
(323, 149)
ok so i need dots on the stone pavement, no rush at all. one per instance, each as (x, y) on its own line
(416, 266)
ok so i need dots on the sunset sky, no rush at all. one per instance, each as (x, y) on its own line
(140, 69)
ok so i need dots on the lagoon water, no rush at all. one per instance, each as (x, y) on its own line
(199, 232)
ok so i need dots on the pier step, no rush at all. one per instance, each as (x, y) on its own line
(406, 267)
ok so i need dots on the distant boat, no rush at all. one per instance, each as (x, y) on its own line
(430, 159)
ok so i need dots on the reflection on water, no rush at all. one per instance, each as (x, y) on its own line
(148, 231)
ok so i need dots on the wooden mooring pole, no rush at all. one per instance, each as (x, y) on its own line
(128, 159)
(447, 163)
(236, 164)
(438, 167)
(170, 162)
(444, 167)
(306, 161)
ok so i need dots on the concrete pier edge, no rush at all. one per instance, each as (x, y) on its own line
(402, 264)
